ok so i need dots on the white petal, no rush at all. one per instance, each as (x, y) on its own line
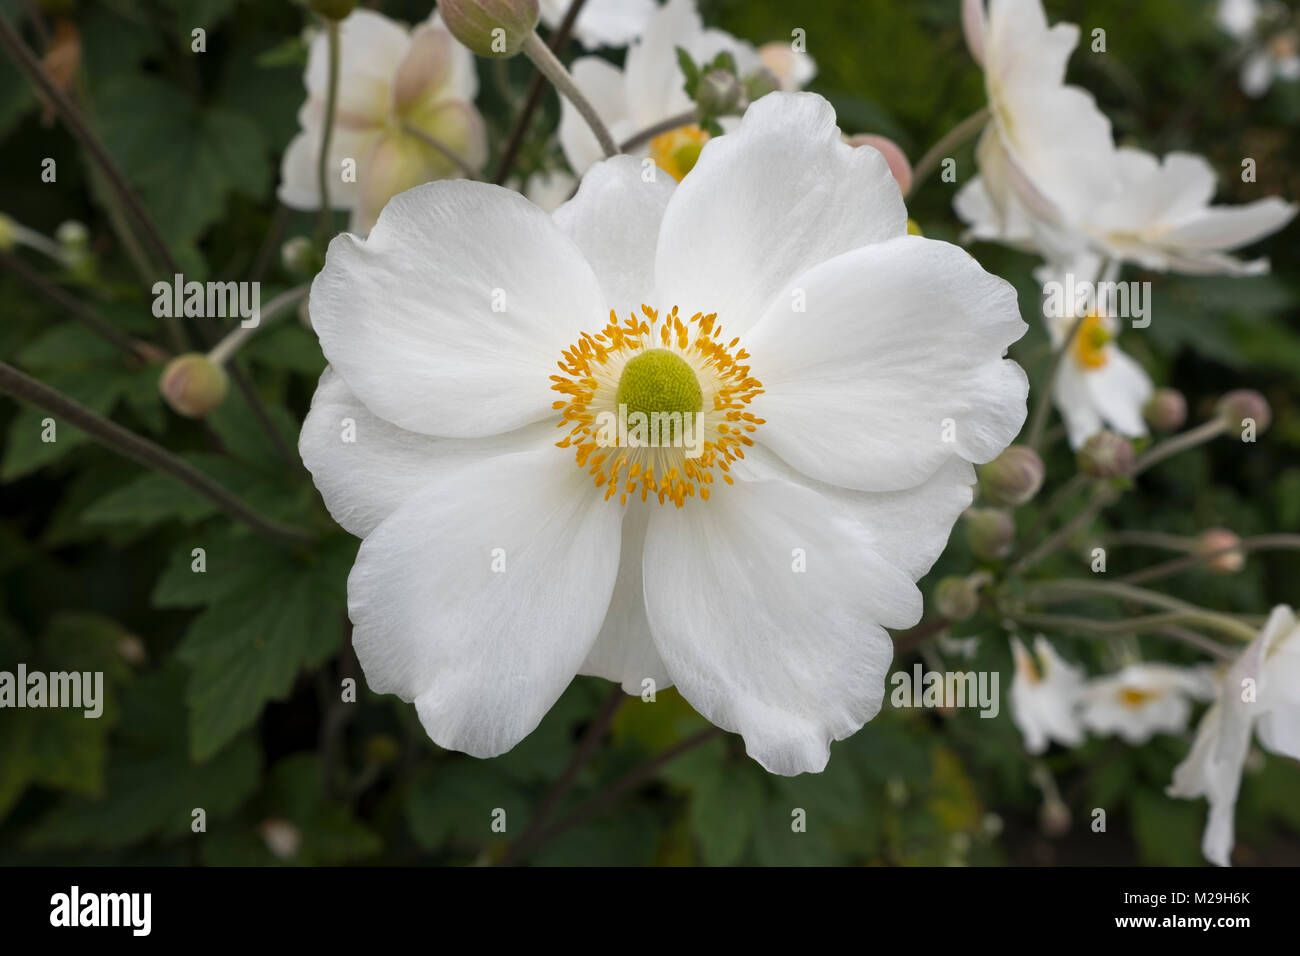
(300, 172)
(895, 367)
(625, 650)
(789, 659)
(909, 528)
(655, 86)
(1231, 227)
(768, 202)
(370, 48)
(367, 468)
(1073, 399)
(407, 317)
(485, 653)
(1119, 391)
(614, 219)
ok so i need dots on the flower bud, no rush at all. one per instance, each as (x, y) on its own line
(193, 384)
(1167, 410)
(759, 83)
(298, 256)
(72, 234)
(132, 650)
(894, 156)
(1054, 817)
(956, 598)
(1012, 478)
(333, 9)
(1236, 407)
(1106, 455)
(491, 28)
(1216, 540)
(990, 532)
(718, 93)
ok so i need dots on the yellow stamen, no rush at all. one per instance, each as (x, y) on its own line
(703, 373)
(1089, 347)
(1133, 698)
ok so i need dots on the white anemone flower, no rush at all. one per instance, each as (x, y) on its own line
(601, 23)
(1162, 217)
(1045, 157)
(1237, 18)
(649, 90)
(793, 69)
(1097, 385)
(1260, 696)
(391, 79)
(1045, 696)
(1277, 59)
(841, 377)
(1143, 700)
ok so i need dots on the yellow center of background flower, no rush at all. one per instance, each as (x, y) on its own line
(676, 151)
(1090, 342)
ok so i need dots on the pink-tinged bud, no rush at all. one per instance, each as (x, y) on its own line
(1217, 540)
(1235, 407)
(897, 159)
(1106, 455)
(990, 532)
(333, 9)
(1012, 478)
(718, 94)
(132, 650)
(491, 28)
(1167, 410)
(1054, 818)
(193, 384)
(956, 598)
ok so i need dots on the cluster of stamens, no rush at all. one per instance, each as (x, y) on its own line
(593, 369)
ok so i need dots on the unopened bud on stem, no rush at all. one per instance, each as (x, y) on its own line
(1215, 541)
(1106, 455)
(193, 384)
(1236, 407)
(956, 598)
(491, 28)
(1012, 478)
(990, 532)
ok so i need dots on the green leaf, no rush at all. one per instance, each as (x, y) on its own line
(187, 162)
(458, 802)
(689, 70)
(723, 813)
(150, 498)
(248, 646)
(1168, 831)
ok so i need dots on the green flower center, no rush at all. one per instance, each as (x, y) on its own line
(658, 380)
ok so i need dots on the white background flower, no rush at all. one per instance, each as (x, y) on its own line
(1045, 696)
(388, 76)
(611, 23)
(456, 440)
(1142, 700)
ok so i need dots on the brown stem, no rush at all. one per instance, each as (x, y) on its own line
(141, 450)
(534, 99)
(586, 749)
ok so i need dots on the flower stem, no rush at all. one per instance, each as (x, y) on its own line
(1163, 623)
(144, 452)
(534, 98)
(663, 126)
(327, 135)
(586, 749)
(280, 305)
(551, 67)
(1199, 435)
(83, 313)
(26, 62)
(1102, 497)
(1067, 590)
(1038, 422)
(1267, 542)
(950, 141)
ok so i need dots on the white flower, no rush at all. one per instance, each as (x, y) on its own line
(1260, 694)
(1162, 217)
(1278, 58)
(1045, 696)
(1237, 18)
(648, 90)
(823, 348)
(1051, 179)
(1045, 158)
(611, 23)
(1097, 385)
(389, 77)
(1143, 700)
